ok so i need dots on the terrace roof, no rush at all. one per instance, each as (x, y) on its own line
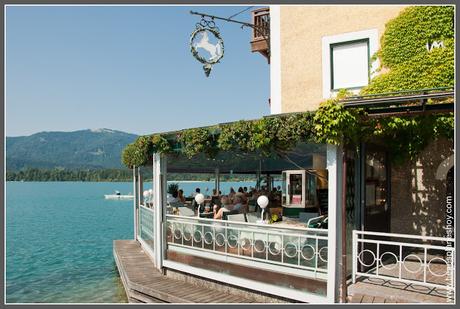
(303, 156)
(384, 104)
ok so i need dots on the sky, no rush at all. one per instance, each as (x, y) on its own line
(126, 68)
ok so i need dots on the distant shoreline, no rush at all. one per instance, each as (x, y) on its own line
(145, 181)
(108, 175)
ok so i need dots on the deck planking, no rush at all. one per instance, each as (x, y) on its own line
(382, 291)
(143, 283)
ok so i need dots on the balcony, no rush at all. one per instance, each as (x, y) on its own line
(261, 32)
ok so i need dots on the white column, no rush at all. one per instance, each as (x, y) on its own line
(135, 203)
(140, 185)
(334, 167)
(275, 59)
(159, 200)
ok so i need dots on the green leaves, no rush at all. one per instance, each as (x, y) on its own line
(137, 153)
(406, 137)
(195, 141)
(404, 51)
(406, 35)
(336, 125)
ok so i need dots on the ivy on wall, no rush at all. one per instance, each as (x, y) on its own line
(406, 63)
(417, 52)
(410, 51)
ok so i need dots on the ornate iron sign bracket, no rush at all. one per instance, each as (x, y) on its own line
(206, 28)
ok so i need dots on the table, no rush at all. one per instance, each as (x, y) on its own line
(290, 222)
(208, 215)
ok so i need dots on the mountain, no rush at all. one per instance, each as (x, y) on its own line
(83, 149)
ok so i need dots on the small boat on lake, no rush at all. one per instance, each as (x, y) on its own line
(119, 196)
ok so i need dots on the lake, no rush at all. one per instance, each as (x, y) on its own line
(59, 239)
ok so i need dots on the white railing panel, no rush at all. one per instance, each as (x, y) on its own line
(285, 248)
(146, 226)
(417, 260)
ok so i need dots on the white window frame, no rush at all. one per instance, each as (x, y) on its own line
(370, 35)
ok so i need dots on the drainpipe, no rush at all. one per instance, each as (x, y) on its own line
(343, 284)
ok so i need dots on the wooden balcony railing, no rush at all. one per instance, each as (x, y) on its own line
(261, 32)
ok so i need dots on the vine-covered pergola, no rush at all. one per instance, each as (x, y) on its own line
(388, 119)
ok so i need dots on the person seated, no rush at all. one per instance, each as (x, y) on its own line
(238, 203)
(231, 194)
(197, 191)
(243, 197)
(174, 201)
(215, 193)
(215, 198)
(181, 196)
(194, 204)
(225, 207)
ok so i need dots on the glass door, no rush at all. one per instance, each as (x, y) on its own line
(375, 211)
(377, 206)
(294, 187)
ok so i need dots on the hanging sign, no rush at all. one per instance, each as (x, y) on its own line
(206, 44)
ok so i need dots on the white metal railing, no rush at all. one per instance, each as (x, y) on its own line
(146, 228)
(298, 249)
(420, 260)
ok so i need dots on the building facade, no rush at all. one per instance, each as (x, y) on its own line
(308, 42)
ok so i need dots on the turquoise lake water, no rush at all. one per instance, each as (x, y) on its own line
(59, 240)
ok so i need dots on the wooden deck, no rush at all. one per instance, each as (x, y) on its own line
(376, 290)
(385, 291)
(144, 284)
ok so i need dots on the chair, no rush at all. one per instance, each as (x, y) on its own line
(252, 217)
(225, 214)
(305, 216)
(176, 204)
(187, 212)
(316, 222)
(236, 218)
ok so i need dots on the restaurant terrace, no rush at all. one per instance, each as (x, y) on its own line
(302, 232)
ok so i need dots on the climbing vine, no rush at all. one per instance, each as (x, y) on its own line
(417, 52)
(334, 124)
(195, 141)
(409, 60)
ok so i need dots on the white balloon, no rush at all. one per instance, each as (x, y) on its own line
(146, 193)
(199, 198)
(262, 201)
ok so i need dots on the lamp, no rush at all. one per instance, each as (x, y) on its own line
(199, 199)
(262, 201)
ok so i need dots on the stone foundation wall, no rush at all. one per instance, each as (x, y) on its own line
(418, 199)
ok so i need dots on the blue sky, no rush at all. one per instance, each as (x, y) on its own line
(125, 68)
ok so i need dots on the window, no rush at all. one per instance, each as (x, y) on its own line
(349, 64)
(346, 61)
